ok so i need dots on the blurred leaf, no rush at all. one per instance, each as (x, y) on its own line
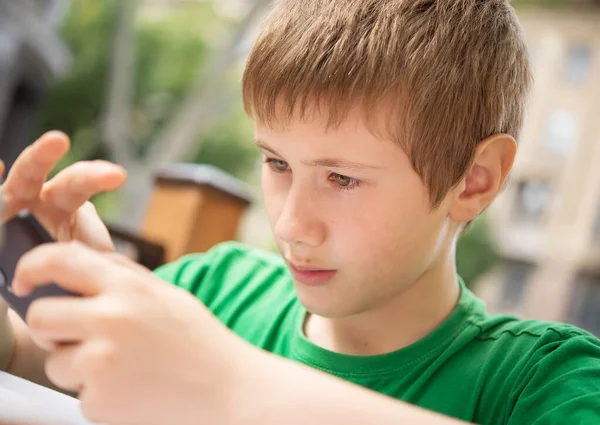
(229, 147)
(170, 51)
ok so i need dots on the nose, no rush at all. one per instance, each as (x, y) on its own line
(300, 221)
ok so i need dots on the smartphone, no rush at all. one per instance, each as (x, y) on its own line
(19, 235)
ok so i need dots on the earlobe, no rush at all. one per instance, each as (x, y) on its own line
(486, 177)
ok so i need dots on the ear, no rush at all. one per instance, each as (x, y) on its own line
(485, 179)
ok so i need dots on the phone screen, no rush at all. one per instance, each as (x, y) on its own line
(20, 235)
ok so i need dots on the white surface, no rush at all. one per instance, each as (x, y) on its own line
(22, 402)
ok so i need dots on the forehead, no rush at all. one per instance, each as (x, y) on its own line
(329, 113)
(313, 141)
(321, 121)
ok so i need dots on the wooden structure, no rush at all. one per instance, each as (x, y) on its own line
(193, 207)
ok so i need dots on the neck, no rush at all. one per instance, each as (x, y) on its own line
(402, 321)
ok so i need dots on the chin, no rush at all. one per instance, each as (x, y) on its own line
(326, 305)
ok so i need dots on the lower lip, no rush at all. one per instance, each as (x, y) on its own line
(312, 277)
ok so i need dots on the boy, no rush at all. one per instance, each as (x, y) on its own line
(386, 126)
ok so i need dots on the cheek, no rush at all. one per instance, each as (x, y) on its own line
(364, 236)
(395, 229)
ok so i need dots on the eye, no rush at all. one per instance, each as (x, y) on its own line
(277, 165)
(344, 182)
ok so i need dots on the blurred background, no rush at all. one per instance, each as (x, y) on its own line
(154, 85)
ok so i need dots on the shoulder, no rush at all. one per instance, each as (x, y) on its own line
(227, 251)
(528, 338)
(544, 372)
(227, 257)
(227, 267)
(552, 348)
(558, 374)
(495, 327)
(247, 289)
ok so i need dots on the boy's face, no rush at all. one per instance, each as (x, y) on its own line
(348, 203)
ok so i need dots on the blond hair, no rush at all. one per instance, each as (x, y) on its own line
(447, 74)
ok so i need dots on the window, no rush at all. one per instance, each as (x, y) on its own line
(585, 305)
(562, 132)
(579, 63)
(534, 200)
(516, 277)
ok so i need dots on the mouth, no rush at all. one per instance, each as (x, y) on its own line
(311, 276)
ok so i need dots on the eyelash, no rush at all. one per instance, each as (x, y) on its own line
(355, 183)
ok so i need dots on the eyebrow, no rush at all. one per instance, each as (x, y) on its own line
(323, 162)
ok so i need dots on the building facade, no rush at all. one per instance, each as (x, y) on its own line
(547, 222)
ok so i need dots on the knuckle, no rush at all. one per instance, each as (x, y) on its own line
(74, 185)
(31, 262)
(116, 257)
(69, 252)
(73, 244)
(98, 360)
(89, 208)
(48, 192)
(91, 407)
(116, 313)
(121, 260)
(52, 368)
(35, 318)
(138, 287)
(75, 248)
(113, 318)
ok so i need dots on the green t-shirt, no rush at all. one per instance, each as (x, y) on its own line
(475, 366)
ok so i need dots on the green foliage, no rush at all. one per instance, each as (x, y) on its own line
(170, 51)
(230, 147)
(475, 252)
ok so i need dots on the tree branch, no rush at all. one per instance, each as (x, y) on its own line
(116, 122)
(198, 110)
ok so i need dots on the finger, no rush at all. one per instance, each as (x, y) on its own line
(62, 367)
(73, 266)
(2, 168)
(127, 262)
(76, 184)
(85, 226)
(88, 228)
(93, 404)
(29, 172)
(60, 319)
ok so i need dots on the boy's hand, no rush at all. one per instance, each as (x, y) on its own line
(61, 204)
(135, 348)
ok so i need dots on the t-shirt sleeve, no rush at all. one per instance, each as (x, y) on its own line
(228, 276)
(197, 273)
(248, 290)
(561, 383)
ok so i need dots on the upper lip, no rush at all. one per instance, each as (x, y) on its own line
(307, 268)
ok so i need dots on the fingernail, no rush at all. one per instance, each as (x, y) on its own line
(55, 133)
